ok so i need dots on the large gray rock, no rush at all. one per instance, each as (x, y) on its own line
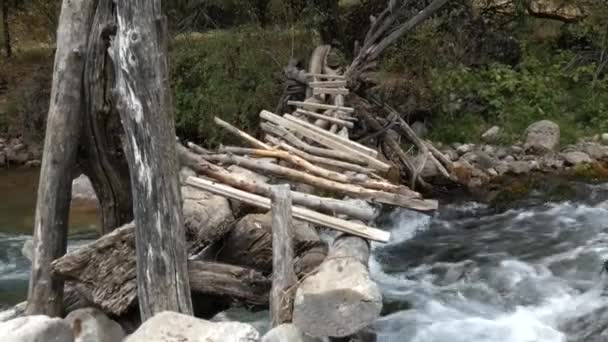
(36, 329)
(174, 327)
(92, 325)
(83, 189)
(288, 333)
(594, 150)
(576, 157)
(204, 213)
(542, 137)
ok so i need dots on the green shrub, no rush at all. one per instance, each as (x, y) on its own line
(230, 74)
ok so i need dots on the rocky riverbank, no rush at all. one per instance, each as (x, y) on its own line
(15, 152)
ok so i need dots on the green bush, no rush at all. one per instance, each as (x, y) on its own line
(230, 74)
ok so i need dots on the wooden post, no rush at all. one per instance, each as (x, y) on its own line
(283, 275)
(139, 52)
(45, 295)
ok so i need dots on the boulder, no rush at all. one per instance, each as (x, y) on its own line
(509, 159)
(465, 148)
(203, 214)
(17, 157)
(542, 137)
(576, 157)
(184, 173)
(36, 329)
(492, 134)
(82, 188)
(288, 333)
(92, 325)
(172, 326)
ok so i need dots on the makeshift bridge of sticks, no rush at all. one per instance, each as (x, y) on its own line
(309, 146)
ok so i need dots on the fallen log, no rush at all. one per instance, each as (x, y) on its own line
(310, 105)
(410, 199)
(253, 141)
(324, 204)
(340, 298)
(106, 269)
(325, 76)
(327, 84)
(298, 212)
(283, 133)
(320, 160)
(324, 117)
(330, 91)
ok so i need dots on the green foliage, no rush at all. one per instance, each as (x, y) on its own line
(232, 75)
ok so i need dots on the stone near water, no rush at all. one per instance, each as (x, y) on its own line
(288, 333)
(576, 158)
(492, 134)
(82, 188)
(171, 326)
(594, 150)
(28, 249)
(542, 137)
(36, 329)
(12, 313)
(92, 325)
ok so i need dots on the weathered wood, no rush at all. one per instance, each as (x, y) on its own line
(283, 275)
(340, 298)
(312, 105)
(405, 198)
(101, 155)
(139, 52)
(198, 149)
(106, 270)
(298, 212)
(292, 139)
(326, 76)
(324, 204)
(337, 121)
(320, 160)
(327, 84)
(45, 295)
(315, 67)
(330, 91)
(253, 141)
(322, 139)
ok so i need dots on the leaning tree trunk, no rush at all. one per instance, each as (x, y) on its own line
(101, 156)
(139, 52)
(8, 49)
(45, 294)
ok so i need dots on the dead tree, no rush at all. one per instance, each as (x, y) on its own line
(139, 52)
(45, 295)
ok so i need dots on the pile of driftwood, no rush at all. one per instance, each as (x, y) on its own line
(334, 182)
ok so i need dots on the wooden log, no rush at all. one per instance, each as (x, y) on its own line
(324, 117)
(320, 160)
(329, 141)
(139, 52)
(324, 204)
(253, 141)
(340, 298)
(45, 294)
(330, 91)
(311, 105)
(328, 84)
(326, 76)
(198, 149)
(405, 199)
(106, 269)
(292, 139)
(283, 275)
(315, 66)
(298, 212)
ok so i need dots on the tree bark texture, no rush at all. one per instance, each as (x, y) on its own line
(101, 156)
(45, 295)
(283, 276)
(139, 52)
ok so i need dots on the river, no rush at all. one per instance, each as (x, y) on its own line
(470, 273)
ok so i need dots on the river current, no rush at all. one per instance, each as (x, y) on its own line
(469, 273)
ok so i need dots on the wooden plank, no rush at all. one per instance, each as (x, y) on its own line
(325, 76)
(312, 105)
(337, 121)
(307, 215)
(330, 91)
(327, 84)
(344, 141)
(253, 141)
(283, 276)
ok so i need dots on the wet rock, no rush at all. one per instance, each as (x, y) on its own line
(92, 325)
(288, 333)
(36, 329)
(492, 134)
(576, 158)
(171, 326)
(542, 137)
(12, 313)
(33, 163)
(82, 188)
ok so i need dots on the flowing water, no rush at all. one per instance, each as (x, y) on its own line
(469, 273)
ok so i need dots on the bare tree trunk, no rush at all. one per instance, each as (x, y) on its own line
(283, 276)
(8, 49)
(101, 157)
(139, 52)
(45, 294)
